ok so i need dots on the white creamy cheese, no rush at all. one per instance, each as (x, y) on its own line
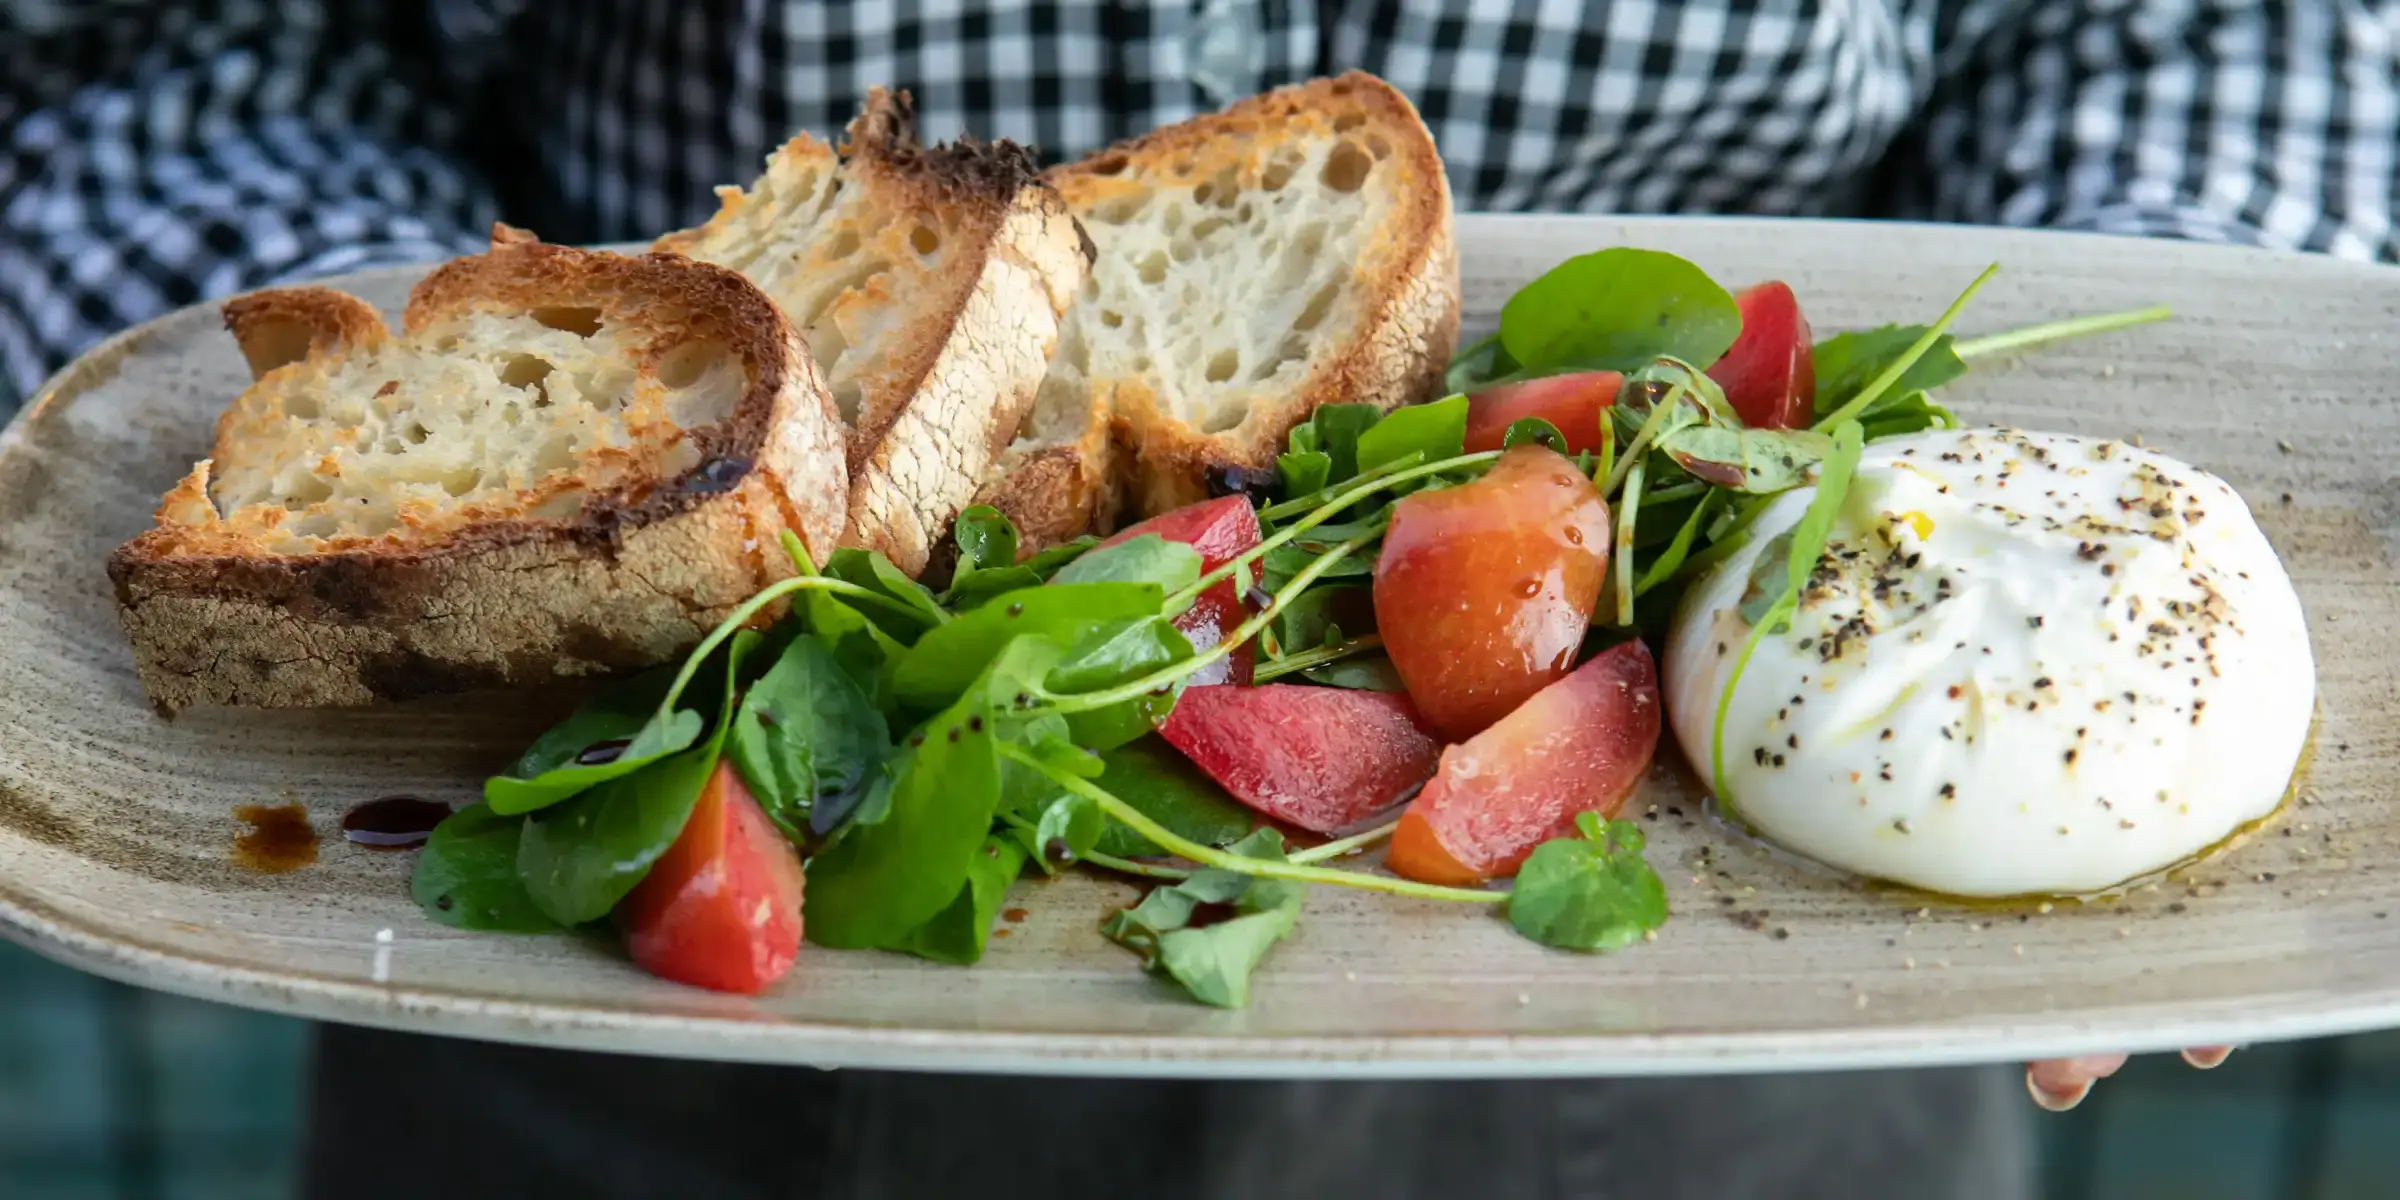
(2029, 663)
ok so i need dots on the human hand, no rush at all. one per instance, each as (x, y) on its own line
(2059, 1084)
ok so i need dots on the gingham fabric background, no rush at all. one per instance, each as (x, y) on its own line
(160, 153)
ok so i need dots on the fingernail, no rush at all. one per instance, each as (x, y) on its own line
(2208, 1058)
(2057, 1102)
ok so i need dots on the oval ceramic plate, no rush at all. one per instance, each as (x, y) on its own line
(2281, 373)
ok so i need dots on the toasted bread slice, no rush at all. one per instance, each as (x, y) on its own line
(565, 462)
(1291, 251)
(928, 282)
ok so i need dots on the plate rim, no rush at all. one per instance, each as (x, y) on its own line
(126, 956)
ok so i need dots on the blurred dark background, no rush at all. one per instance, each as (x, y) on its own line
(114, 1093)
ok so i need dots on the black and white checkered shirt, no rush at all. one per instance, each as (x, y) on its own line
(159, 153)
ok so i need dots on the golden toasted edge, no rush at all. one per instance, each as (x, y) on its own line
(278, 328)
(269, 629)
(1057, 493)
(1406, 339)
(952, 392)
(981, 349)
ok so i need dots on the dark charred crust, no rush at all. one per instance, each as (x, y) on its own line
(1091, 249)
(590, 643)
(964, 169)
(405, 674)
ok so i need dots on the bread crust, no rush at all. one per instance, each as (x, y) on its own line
(635, 575)
(946, 398)
(1397, 355)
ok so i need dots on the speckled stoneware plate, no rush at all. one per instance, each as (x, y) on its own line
(117, 829)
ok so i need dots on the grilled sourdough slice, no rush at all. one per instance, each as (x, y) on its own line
(565, 462)
(928, 282)
(1291, 251)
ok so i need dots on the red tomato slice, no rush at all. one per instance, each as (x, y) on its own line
(1221, 530)
(1768, 375)
(721, 908)
(1573, 403)
(1316, 757)
(1484, 590)
(1579, 745)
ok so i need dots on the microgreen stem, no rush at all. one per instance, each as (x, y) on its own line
(1608, 450)
(1723, 545)
(1129, 867)
(1167, 675)
(1097, 859)
(1723, 788)
(1640, 444)
(2053, 331)
(1322, 513)
(1210, 856)
(1681, 491)
(1315, 656)
(1336, 849)
(1628, 505)
(1898, 367)
(1300, 504)
(1665, 566)
(750, 608)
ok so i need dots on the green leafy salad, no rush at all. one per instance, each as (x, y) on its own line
(920, 750)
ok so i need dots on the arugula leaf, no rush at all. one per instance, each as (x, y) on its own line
(617, 731)
(1846, 362)
(1905, 414)
(1670, 560)
(1533, 430)
(1304, 472)
(1747, 460)
(1333, 430)
(1115, 654)
(466, 876)
(1616, 310)
(958, 934)
(1023, 789)
(863, 649)
(945, 662)
(987, 541)
(1325, 615)
(1764, 590)
(882, 880)
(1213, 959)
(1824, 508)
(1288, 559)
(876, 573)
(1048, 561)
(1161, 784)
(1436, 431)
(1801, 552)
(1149, 558)
(805, 734)
(1477, 365)
(1590, 892)
(980, 587)
(1067, 832)
(577, 859)
(1366, 673)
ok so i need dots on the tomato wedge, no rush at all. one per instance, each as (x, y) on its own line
(1768, 374)
(1483, 590)
(1579, 745)
(1320, 758)
(1221, 530)
(1573, 403)
(721, 908)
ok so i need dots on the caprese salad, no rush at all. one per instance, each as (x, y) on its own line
(1978, 661)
